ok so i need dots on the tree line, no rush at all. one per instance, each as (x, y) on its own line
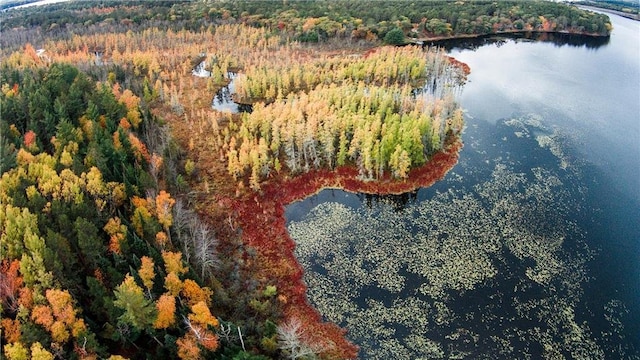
(306, 21)
(358, 20)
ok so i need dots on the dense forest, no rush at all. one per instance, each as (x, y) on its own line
(89, 238)
(313, 21)
(360, 110)
(310, 21)
(136, 221)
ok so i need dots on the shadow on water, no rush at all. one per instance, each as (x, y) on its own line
(298, 210)
(398, 202)
(558, 39)
(223, 99)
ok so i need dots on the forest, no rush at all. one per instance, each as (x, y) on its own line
(310, 21)
(137, 222)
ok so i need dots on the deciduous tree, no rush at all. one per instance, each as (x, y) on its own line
(194, 293)
(166, 307)
(188, 348)
(147, 272)
(10, 284)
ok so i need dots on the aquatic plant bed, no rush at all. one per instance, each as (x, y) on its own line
(261, 218)
(489, 260)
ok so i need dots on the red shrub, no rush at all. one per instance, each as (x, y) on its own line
(262, 219)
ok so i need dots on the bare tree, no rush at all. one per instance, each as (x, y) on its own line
(294, 344)
(201, 334)
(205, 249)
(181, 218)
(226, 333)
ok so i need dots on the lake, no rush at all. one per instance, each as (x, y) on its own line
(530, 247)
(37, 3)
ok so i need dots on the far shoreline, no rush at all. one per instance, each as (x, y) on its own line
(623, 14)
(426, 40)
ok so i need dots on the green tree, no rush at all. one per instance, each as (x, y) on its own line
(138, 310)
(89, 242)
(394, 37)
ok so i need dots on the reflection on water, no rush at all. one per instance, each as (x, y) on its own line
(558, 39)
(36, 3)
(223, 100)
(589, 94)
(398, 202)
(201, 70)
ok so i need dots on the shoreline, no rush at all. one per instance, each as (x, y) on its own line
(424, 40)
(262, 220)
(252, 225)
(623, 14)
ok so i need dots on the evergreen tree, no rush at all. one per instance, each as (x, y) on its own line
(394, 37)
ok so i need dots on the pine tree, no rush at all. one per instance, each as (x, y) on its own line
(138, 311)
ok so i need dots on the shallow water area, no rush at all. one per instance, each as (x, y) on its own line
(223, 101)
(528, 248)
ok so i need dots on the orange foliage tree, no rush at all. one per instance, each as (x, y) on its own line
(10, 284)
(59, 316)
(166, 306)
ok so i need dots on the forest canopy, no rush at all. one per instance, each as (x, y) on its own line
(418, 19)
(313, 21)
(87, 246)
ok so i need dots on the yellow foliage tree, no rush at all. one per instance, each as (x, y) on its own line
(201, 314)
(40, 353)
(164, 204)
(16, 351)
(194, 293)
(173, 262)
(147, 272)
(141, 214)
(117, 232)
(166, 306)
(173, 284)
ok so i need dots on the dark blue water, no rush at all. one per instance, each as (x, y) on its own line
(530, 247)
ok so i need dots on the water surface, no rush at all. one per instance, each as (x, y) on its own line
(529, 248)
